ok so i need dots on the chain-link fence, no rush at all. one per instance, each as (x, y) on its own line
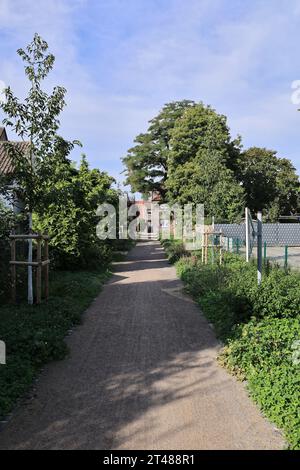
(281, 242)
(273, 234)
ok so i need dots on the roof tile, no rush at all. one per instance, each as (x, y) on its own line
(6, 165)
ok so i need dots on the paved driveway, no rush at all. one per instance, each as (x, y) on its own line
(142, 374)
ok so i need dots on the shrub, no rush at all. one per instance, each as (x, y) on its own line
(262, 344)
(68, 214)
(8, 221)
(279, 295)
(175, 250)
(262, 353)
(219, 291)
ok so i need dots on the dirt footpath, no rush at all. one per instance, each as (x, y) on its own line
(142, 374)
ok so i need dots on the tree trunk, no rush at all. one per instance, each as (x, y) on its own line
(30, 288)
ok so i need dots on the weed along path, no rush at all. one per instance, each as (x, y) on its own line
(142, 374)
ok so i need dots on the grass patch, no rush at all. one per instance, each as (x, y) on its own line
(34, 335)
(260, 327)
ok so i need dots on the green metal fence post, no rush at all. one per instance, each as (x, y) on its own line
(286, 251)
(265, 251)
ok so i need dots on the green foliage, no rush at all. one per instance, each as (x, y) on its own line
(174, 249)
(207, 180)
(201, 128)
(271, 183)
(68, 214)
(279, 295)
(260, 326)
(7, 222)
(262, 344)
(35, 120)
(35, 335)
(147, 162)
(188, 155)
(277, 393)
(262, 352)
(201, 164)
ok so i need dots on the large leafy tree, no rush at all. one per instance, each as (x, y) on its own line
(147, 162)
(271, 183)
(206, 179)
(202, 163)
(201, 127)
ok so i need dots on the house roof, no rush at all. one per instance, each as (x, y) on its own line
(3, 135)
(6, 165)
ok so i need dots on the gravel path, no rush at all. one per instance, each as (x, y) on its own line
(142, 374)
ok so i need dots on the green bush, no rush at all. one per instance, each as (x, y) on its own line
(262, 344)
(67, 213)
(260, 326)
(219, 290)
(8, 221)
(174, 249)
(262, 353)
(279, 295)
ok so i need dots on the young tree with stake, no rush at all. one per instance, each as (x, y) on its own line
(34, 120)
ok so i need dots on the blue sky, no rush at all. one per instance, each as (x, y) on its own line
(121, 60)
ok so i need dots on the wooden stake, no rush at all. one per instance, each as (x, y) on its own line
(39, 264)
(46, 270)
(13, 271)
(39, 273)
